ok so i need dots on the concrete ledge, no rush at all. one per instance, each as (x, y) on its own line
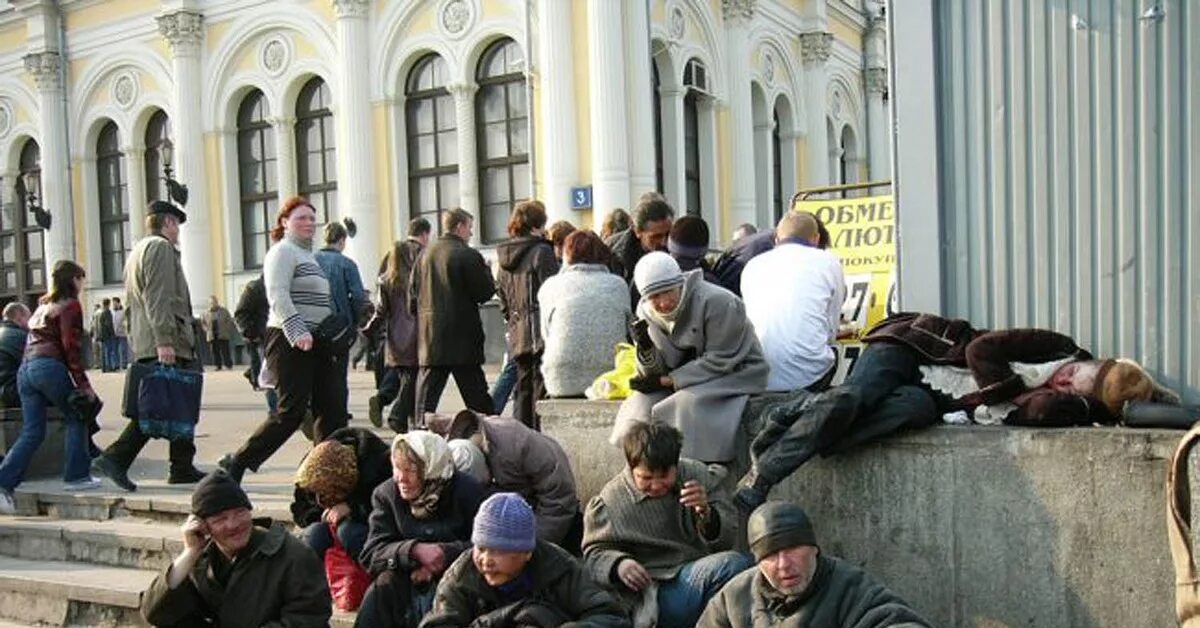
(47, 460)
(62, 593)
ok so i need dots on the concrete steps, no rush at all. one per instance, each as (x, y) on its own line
(61, 593)
(126, 542)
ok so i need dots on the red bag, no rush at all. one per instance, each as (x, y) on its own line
(348, 581)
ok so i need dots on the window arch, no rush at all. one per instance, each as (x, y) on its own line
(22, 257)
(502, 136)
(432, 129)
(114, 215)
(257, 184)
(158, 131)
(316, 156)
(695, 81)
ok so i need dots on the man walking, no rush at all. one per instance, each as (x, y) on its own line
(346, 295)
(218, 323)
(107, 336)
(160, 328)
(121, 333)
(14, 332)
(449, 283)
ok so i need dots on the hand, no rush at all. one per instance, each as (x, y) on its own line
(430, 555)
(639, 330)
(305, 342)
(633, 574)
(421, 576)
(195, 534)
(334, 514)
(695, 497)
(166, 354)
(666, 382)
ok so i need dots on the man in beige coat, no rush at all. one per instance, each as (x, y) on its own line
(219, 326)
(159, 315)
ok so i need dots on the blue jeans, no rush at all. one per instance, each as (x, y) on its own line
(505, 382)
(351, 534)
(43, 382)
(682, 598)
(112, 354)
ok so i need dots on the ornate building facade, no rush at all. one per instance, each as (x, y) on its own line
(382, 110)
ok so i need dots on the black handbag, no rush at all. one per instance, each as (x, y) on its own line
(335, 334)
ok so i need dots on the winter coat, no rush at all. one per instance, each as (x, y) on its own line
(374, 464)
(840, 595)
(524, 461)
(346, 294)
(394, 530)
(626, 250)
(105, 330)
(12, 350)
(449, 283)
(159, 305)
(277, 582)
(713, 357)
(224, 324)
(585, 312)
(252, 310)
(393, 313)
(526, 263)
(560, 590)
(729, 266)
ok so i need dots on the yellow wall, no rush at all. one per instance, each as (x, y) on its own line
(13, 37)
(109, 11)
(846, 33)
(215, 33)
(216, 215)
(724, 163)
(386, 199)
(801, 163)
(81, 250)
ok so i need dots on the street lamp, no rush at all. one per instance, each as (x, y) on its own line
(32, 182)
(177, 191)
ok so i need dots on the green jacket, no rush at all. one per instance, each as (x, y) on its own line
(280, 583)
(159, 306)
(840, 596)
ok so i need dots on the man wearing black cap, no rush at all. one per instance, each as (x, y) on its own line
(796, 585)
(159, 316)
(279, 580)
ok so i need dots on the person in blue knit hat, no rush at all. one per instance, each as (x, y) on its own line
(495, 583)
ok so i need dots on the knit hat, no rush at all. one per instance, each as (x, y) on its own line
(776, 526)
(1119, 381)
(656, 272)
(689, 238)
(216, 493)
(505, 522)
(330, 471)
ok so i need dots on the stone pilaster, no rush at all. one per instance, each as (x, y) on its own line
(357, 196)
(560, 140)
(815, 49)
(610, 146)
(468, 158)
(46, 69)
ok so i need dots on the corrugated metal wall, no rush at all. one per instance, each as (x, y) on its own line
(1069, 143)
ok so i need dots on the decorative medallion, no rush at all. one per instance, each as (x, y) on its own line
(6, 117)
(274, 55)
(678, 23)
(457, 17)
(125, 89)
(768, 65)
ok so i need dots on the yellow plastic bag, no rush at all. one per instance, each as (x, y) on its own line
(614, 384)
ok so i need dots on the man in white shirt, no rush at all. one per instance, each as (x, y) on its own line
(794, 295)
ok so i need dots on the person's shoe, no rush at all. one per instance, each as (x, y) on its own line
(751, 494)
(187, 476)
(232, 467)
(86, 484)
(375, 410)
(104, 466)
(7, 505)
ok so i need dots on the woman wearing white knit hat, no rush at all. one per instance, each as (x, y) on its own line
(698, 359)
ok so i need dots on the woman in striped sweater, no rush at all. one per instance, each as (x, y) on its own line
(298, 295)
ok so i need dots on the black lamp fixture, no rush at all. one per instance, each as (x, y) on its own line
(177, 191)
(31, 181)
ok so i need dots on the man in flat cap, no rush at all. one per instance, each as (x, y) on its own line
(796, 585)
(277, 580)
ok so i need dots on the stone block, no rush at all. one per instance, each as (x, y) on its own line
(47, 460)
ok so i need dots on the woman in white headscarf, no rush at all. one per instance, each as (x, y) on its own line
(420, 522)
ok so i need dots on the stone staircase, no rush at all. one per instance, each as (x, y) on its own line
(84, 560)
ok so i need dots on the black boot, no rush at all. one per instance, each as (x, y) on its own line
(231, 466)
(752, 495)
(103, 465)
(191, 475)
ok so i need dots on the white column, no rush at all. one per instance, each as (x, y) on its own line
(764, 167)
(184, 31)
(560, 142)
(357, 196)
(610, 148)
(135, 190)
(815, 49)
(674, 186)
(468, 159)
(56, 180)
(285, 159)
(640, 85)
(741, 134)
(879, 152)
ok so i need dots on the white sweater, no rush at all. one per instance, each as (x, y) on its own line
(297, 289)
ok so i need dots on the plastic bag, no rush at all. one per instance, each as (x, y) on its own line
(348, 581)
(168, 402)
(614, 384)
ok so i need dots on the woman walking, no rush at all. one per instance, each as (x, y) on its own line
(52, 374)
(298, 298)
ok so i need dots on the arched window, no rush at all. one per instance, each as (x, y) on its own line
(695, 80)
(114, 216)
(22, 258)
(502, 135)
(316, 157)
(776, 167)
(256, 177)
(432, 140)
(158, 130)
(658, 128)
(847, 158)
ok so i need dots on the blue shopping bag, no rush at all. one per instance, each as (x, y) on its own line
(168, 402)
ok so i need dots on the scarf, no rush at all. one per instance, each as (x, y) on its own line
(667, 320)
(438, 469)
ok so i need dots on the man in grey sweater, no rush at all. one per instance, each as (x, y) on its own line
(652, 531)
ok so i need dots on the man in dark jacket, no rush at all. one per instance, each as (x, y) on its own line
(278, 581)
(107, 335)
(796, 585)
(510, 578)
(346, 295)
(14, 331)
(652, 220)
(251, 318)
(450, 282)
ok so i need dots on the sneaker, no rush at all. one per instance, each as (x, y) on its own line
(104, 466)
(7, 505)
(748, 498)
(86, 484)
(231, 466)
(375, 413)
(188, 476)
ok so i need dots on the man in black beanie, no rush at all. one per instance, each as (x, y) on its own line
(279, 579)
(796, 585)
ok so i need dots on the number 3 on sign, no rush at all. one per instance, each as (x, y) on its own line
(857, 303)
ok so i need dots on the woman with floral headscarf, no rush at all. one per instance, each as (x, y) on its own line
(420, 522)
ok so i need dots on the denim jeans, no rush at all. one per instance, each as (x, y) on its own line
(112, 354)
(123, 353)
(682, 598)
(351, 534)
(505, 382)
(44, 382)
